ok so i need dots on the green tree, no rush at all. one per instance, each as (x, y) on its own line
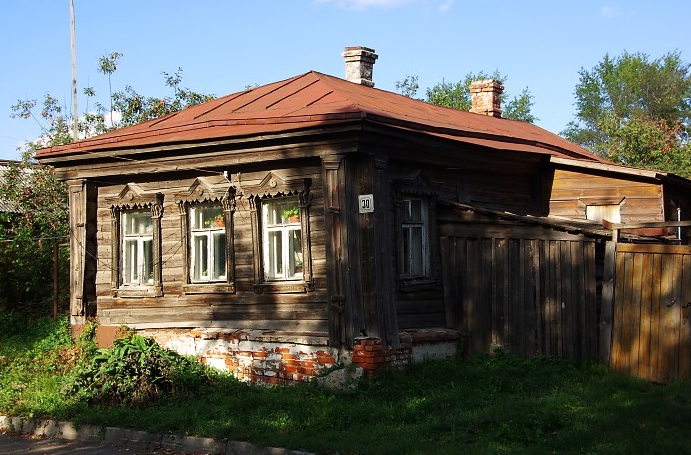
(28, 232)
(456, 95)
(635, 111)
(136, 108)
(39, 216)
(107, 65)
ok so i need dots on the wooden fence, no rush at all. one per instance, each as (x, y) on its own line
(651, 331)
(526, 296)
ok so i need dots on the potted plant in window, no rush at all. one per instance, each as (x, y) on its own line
(219, 220)
(292, 214)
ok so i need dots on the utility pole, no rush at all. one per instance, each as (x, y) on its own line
(75, 112)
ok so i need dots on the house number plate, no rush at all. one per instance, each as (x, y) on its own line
(366, 203)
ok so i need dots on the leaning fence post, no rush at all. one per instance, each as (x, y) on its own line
(607, 309)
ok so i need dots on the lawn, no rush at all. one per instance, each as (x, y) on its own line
(481, 405)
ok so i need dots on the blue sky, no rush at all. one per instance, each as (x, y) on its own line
(223, 46)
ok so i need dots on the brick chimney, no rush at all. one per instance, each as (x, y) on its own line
(485, 97)
(359, 62)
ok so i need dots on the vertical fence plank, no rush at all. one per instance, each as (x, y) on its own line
(666, 318)
(590, 302)
(655, 300)
(538, 266)
(605, 329)
(618, 312)
(449, 269)
(473, 290)
(486, 293)
(644, 354)
(685, 324)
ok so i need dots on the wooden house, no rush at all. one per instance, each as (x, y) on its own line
(290, 227)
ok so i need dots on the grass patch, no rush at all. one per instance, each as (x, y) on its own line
(481, 405)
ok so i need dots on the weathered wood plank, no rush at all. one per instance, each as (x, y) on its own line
(685, 323)
(644, 353)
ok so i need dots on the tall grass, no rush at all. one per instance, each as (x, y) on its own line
(481, 405)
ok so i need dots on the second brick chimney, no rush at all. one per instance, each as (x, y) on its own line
(359, 63)
(485, 97)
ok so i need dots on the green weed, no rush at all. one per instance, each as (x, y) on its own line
(482, 404)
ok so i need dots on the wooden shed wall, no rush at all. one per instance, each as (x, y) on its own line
(572, 191)
(242, 309)
(478, 177)
(525, 289)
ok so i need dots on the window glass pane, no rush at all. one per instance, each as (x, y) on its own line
(406, 210)
(275, 254)
(200, 270)
(207, 217)
(414, 249)
(219, 255)
(129, 262)
(147, 261)
(416, 210)
(137, 223)
(416, 256)
(295, 252)
(282, 234)
(283, 211)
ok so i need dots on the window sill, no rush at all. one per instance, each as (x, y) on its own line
(412, 285)
(138, 292)
(209, 288)
(277, 287)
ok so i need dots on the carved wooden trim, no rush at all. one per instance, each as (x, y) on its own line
(201, 192)
(274, 186)
(133, 198)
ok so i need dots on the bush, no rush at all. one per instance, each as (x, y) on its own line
(136, 371)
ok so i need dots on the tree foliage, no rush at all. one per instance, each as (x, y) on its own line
(28, 233)
(456, 95)
(635, 111)
(39, 215)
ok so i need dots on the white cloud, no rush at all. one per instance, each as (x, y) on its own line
(360, 5)
(446, 6)
(610, 12)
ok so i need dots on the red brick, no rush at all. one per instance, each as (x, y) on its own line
(260, 354)
(326, 360)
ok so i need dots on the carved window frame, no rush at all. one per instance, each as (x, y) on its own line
(133, 199)
(204, 192)
(415, 186)
(274, 186)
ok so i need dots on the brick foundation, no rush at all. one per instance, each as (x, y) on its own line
(274, 358)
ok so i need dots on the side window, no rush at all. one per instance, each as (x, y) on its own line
(609, 212)
(208, 262)
(282, 254)
(137, 248)
(415, 238)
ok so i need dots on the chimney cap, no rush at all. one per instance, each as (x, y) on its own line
(359, 64)
(485, 97)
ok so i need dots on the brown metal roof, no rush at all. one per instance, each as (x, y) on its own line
(314, 99)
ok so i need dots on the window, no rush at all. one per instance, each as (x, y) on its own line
(206, 211)
(609, 212)
(208, 244)
(137, 248)
(414, 255)
(136, 242)
(281, 244)
(282, 239)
